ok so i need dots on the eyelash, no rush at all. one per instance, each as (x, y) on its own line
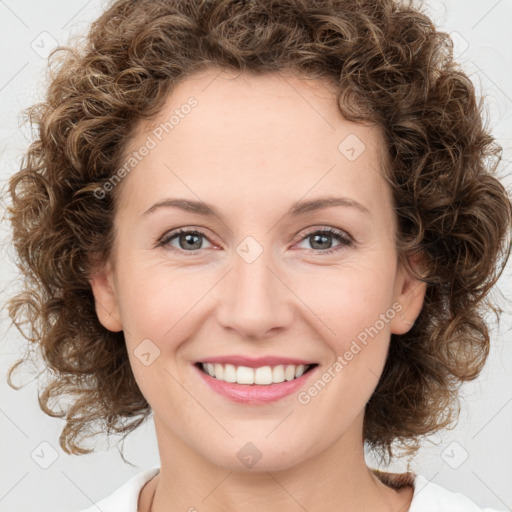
(345, 239)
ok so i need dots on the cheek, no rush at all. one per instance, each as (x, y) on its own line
(161, 302)
(349, 298)
(154, 298)
(355, 307)
(158, 315)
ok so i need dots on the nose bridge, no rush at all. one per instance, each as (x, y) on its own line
(254, 300)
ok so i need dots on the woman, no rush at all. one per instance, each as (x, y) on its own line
(273, 225)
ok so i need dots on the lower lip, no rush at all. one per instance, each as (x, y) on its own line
(255, 393)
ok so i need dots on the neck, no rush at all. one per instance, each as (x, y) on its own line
(335, 480)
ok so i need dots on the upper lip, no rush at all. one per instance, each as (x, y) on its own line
(255, 362)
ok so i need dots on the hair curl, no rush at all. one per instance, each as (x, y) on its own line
(390, 66)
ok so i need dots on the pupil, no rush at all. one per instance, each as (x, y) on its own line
(316, 240)
(188, 237)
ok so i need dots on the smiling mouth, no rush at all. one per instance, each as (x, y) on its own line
(264, 375)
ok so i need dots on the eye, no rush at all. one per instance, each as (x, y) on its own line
(322, 239)
(192, 240)
(187, 240)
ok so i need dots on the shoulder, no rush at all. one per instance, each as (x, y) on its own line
(430, 497)
(126, 497)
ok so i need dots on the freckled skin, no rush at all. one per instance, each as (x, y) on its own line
(252, 146)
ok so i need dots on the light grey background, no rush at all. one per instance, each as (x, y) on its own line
(475, 458)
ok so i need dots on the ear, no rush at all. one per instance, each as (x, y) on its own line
(105, 299)
(409, 295)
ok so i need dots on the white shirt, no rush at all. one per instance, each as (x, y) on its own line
(428, 497)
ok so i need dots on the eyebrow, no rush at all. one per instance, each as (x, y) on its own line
(298, 208)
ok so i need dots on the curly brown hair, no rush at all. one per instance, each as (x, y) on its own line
(390, 66)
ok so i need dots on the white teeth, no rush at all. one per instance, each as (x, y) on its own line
(244, 375)
(219, 370)
(264, 375)
(278, 374)
(300, 370)
(229, 373)
(289, 373)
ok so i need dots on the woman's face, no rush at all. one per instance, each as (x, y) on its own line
(259, 278)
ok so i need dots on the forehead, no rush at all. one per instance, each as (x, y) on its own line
(256, 134)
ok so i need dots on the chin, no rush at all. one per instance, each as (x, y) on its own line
(259, 456)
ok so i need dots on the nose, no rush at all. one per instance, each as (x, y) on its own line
(254, 299)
